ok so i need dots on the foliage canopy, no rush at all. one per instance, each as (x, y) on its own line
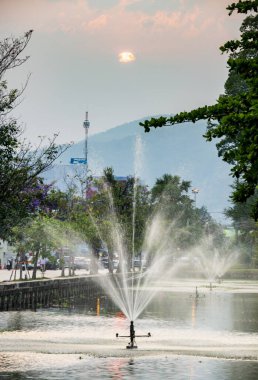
(234, 118)
(21, 189)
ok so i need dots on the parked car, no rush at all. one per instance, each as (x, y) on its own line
(104, 262)
(51, 265)
(139, 263)
(81, 263)
(115, 263)
(66, 261)
(29, 263)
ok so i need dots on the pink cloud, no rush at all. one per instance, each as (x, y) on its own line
(168, 20)
(98, 22)
(119, 26)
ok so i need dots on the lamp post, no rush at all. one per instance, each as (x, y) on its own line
(195, 191)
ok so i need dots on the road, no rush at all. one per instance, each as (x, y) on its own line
(6, 274)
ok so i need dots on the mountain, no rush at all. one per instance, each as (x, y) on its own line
(178, 150)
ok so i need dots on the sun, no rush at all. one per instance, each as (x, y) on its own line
(126, 56)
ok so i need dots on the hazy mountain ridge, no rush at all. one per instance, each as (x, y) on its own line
(178, 150)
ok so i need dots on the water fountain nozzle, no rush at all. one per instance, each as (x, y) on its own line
(132, 344)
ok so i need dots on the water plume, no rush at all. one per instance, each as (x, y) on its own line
(213, 261)
(133, 288)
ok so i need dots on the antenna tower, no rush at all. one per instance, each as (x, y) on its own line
(86, 125)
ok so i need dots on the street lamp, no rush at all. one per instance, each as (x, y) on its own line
(195, 191)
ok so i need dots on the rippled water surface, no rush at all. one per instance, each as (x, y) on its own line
(212, 336)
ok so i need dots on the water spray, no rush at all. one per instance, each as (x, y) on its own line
(132, 336)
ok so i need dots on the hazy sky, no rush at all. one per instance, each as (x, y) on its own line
(75, 65)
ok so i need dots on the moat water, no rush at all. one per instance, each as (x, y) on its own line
(213, 335)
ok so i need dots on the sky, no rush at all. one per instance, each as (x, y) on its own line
(75, 64)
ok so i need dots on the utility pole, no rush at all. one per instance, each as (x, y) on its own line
(86, 125)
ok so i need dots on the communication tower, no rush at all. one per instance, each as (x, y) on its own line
(86, 125)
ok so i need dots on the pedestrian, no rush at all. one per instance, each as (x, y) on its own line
(9, 264)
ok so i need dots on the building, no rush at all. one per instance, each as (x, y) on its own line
(7, 252)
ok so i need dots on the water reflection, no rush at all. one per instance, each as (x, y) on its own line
(115, 368)
(218, 312)
(194, 307)
(15, 376)
(245, 310)
(15, 322)
(169, 367)
(222, 324)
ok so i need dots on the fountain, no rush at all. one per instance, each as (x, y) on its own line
(132, 288)
(187, 334)
(132, 336)
(211, 261)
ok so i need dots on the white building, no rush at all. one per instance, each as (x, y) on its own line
(7, 251)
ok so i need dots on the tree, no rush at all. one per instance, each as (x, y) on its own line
(246, 228)
(234, 118)
(170, 193)
(131, 205)
(170, 198)
(20, 163)
(119, 210)
(34, 237)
